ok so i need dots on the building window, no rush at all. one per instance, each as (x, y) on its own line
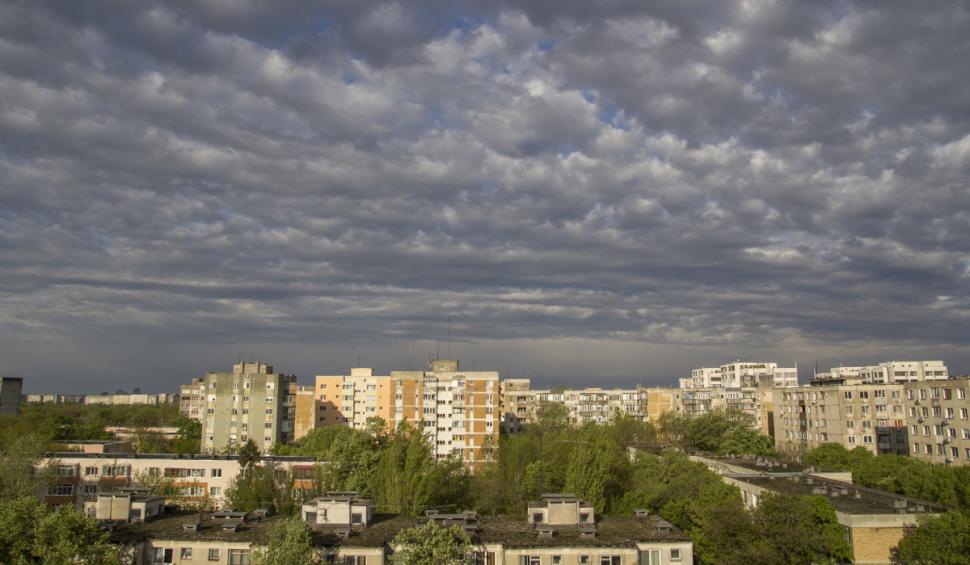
(610, 560)
(162, 555)
(214, 554)
(675, 554)
(186, 554)
(530, 560)
(90, 470)
(215, 472)
(215, 491)
(238, 557)
(60, 490)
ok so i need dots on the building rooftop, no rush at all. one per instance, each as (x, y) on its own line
(845, 497)
(512, 531)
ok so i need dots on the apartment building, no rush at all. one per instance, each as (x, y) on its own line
(192, 399)
(10, 388)
(872, 416)
(937, 415)
(597, 405)
(44, 398)
(663, 400)
(518, 404)
(874, 520)
(741, 374)
(136, 399)
(306, 408)
(81, 477)
(460, 411)
(353, 399)
(756, 401)
(253, 402)
(889, 372)
(346, 530)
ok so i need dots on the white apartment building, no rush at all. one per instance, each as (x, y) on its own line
(741, 374)
(889, 372)
(597, 405)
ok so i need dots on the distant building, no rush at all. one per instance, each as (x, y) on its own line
(125, 399)
(10, 389)
(253, 402)
(741, 374)
(890, 372)
(307, 407)
(937, 415)
(856, 415)
(192, 399)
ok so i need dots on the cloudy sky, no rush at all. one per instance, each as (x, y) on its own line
(583, 195)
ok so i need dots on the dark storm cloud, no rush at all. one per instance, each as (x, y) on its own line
(751, 177)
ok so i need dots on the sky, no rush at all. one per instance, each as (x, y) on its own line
(586, 195)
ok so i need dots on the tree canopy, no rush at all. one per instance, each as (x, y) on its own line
(431, 545)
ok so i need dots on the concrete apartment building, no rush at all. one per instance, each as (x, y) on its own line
(741, 374)
(253, 402)
(872, 416)
(192, 399)
(937, 415)
(353, 399)
(663, 400)
(889, 372)
(345, 529)
(517, 403)
(81, 477)
(874, 520)
(520, 403)
(135, 399)
(460, 411)
(10, 389)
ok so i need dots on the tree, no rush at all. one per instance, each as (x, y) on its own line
(30, 532)
(943, 540)
(289, 544)
(431, 545)
(742, 440)
(800, 529)
(248, 456)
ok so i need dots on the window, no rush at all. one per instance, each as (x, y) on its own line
(90, 470)
(215, 473)
(584, 559)
(238, 557)
(162, 555)
(214, 554)
(215, 491)
(556, 559)
(60, 490)
(675, 554)
(530, 560)
(610, 560)
(186, 554)
(65, 471)
(537, 517)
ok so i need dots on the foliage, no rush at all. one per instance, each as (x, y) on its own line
(30, 532)
(19, 459)
(266, 486)
(799, 529)
(431, 545)
(289, 544)
(743, 440)
(248, 456)
(898, 474)
(943, 540)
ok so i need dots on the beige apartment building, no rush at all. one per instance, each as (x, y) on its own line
(518, 406)
(937, 415)
(872, 416)
(663, 400)
(353, 399)
(81, 477)
(192, 399)
(460, 411)
(253, 402)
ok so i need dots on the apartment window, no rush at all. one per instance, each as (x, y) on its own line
(954, 452)
(584, 559)
(556, 559)
(214, 554)
(268, 425)
(530, 560)
(866, 439)
(961, 394)
(675, 554)
(90, 471)
(90, 489)
(269, 410)
(238, 557)
(215, 473)
(610, 560)
(215, 491)
(963, 413)
(60, 490)
(915, 449)
(162, 555)
(966, 433)
(65, 471)
(186, 554)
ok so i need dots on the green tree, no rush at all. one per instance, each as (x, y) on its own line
(30, 532)
(741, 440)
(943, 540)
(189, 438)
(800, 529)
(431, 545)
(248, 456)
(289, 544)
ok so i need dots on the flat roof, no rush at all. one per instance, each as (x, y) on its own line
(870, 501)
(512, 531)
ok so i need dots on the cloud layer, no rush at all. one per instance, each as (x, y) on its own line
(693, 179)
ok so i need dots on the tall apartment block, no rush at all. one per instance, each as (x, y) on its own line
(937, 414)
(192, 398)
(251, 403)
(460, 411)
(872, 416)
(353, 399)
(10, 389)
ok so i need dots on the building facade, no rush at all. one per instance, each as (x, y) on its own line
(192, 399)
(353, 399)
(253, 402)
(872, 416)
(937, 415)
(889, 372)
(741, 374)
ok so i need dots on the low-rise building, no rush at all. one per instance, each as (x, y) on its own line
(125, 506)
(874, 520)
(640, 539)
(81, 477)
(938, 416)
(133, 399)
